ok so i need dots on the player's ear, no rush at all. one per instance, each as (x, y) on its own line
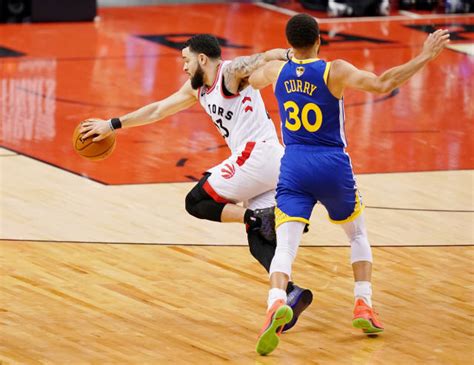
(202, 58)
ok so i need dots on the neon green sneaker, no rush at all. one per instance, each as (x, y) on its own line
(278, 315)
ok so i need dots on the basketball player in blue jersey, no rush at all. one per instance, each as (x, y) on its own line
(315, 167)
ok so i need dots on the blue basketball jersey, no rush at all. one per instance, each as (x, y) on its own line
(309, 113)
(315, 167)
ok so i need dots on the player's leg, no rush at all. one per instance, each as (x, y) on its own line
(204, 203)
(263, 250)
(244, 176)
(292, 214)
(343, 203)
(201, 205)
(247, 176)
(361, 259)
(279, 313)
(260, 172)
(263, 206)
(209, 199)
(298, 298)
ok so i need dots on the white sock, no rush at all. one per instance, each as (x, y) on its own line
(363, 290)
(275, 294)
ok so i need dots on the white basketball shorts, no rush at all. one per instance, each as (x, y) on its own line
(249, 175)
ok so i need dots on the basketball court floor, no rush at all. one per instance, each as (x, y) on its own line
(100, 263)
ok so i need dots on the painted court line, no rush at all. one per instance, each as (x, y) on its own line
(410, 14)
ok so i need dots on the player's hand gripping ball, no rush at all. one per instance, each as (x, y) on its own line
(94, 151)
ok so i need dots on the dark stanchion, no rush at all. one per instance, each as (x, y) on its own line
(63, 10)
(21, 11)
(15, 11)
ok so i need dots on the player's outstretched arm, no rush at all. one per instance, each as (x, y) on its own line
(180, 100)
(343, 74)
(266, 75)
(242, 67)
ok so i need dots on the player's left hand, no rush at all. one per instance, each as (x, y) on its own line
(435, 43)
(98, 127)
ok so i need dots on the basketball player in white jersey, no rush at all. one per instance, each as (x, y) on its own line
(250, 174)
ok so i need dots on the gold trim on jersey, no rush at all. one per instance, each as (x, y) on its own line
(326, 72)
(358, 209)
(281, 218)
(302, 62)
(281, 68)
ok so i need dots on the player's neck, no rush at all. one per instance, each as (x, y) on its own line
(306, 53)
(211, 74)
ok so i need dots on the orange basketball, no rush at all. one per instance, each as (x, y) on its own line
(94, 151)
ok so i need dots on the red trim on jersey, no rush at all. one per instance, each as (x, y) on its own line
(245, 153)
(215, 80)
(247, 107)
(212, 193)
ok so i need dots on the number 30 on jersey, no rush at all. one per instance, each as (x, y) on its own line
(296, 119)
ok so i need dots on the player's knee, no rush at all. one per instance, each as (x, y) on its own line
(357, 234)
(196, 195)
(285, 254)
(288, 248)
(289, 236)
(360, 249)
(282, 262)
(190, 204)
(200, 205)
(194, 203)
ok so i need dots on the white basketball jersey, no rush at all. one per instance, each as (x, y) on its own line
(240, 118)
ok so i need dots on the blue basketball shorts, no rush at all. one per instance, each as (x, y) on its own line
(311, 174)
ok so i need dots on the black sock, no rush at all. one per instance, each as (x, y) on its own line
(289, 288)
(251, 221)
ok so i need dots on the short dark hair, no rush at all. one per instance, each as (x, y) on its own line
(204, 43)
(302, 31)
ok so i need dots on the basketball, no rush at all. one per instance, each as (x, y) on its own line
(94, 151)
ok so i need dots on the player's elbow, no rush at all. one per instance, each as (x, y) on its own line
(156, 113)
(384, 87)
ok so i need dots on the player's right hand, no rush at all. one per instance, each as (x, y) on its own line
(435, 43)
(98, 127)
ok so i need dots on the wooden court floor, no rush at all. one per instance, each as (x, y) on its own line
(99, 262)
(66, 303)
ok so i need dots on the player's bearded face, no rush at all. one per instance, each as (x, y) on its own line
(197, 80)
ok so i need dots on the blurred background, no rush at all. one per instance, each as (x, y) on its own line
(12, 11)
